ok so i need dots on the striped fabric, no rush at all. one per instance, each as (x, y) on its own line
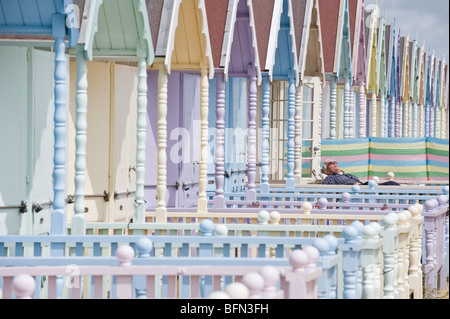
(351, 154)
(410, 159)
(437, 159)
(405, 157)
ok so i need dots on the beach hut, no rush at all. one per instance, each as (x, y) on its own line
(357, 28)
(391, 75)
(178, 110)
(371, 18)
(336, 37)
(237, 74)
(33, 112)
(279, 64)
(308, 104)
(108, 113)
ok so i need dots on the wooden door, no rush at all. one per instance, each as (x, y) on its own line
(190, 121)
(123, 142)
(235, 135)
(97, 185)
(13, 136)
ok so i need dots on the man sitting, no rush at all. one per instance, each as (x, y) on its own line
(337, 177)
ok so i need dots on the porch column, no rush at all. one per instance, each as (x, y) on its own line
(333, 96)
(351, 113)
(141, 136)
(383, 122)
(362, 110)
(58, 217)
(265, 125)
(78, 220)
(391, 132)
(397, 118)
(202, 202)
(219, 200)
(291, 133)
(298, 135)
(161, 186)
(251, 148)
(406, 119)
(347, 109)
(373, 115)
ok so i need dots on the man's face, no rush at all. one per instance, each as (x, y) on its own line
(332, 168)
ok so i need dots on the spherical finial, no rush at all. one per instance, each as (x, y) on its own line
(323, 202)
(333, 242)
(414, 210)
(23, 286)
(402, 218)
(263, 217)
(356, 188)
(377, 227)
(144, 246)
(313, 255)
(220, 230)
(254, 283)
(306, 207)
(219, 295)
(206, 227)
(431, 204)
(237, 290)
(442, 200)
(445, 190)
(390, 176)
(270, 274)
(419, 207)
(298, 259)
(350, 233)
(322, 245)
(372, 184)
(125, 255)
(346, 197)
(369, 232)
(274, 217)
(390, 220)
(359, 226)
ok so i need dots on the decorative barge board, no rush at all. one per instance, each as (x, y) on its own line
(234, 47)
(413, 111)
(381, 116)
(33, 85)
(371, 67)
(182, 45)
(357, 29)
(115, 112)
(308, 103)
(391, 76)
(404, 84)
(336, 36)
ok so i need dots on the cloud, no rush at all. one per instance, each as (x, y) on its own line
(425, 20)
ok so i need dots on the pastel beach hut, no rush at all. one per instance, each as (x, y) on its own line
(357, 114)
(108, 113)
(33, 111)
(179, 79)
(237, 75)
(336, 37)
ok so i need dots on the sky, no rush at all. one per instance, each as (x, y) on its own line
(425, 20)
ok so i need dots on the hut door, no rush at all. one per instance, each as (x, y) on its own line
(311, 141)
(190, 121)
(111, 141)
(235, 135)
(123, 145)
